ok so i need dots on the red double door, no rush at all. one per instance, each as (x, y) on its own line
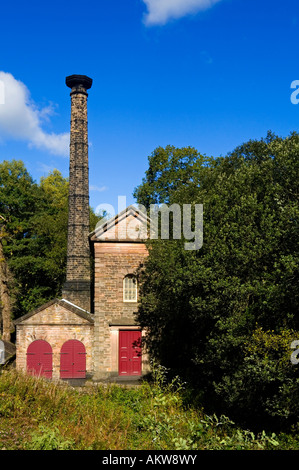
(39, 358)
(72, 359)
(129, 352)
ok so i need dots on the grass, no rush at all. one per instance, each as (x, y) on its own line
(36, 414)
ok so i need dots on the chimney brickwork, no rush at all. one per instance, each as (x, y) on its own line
(77, 288)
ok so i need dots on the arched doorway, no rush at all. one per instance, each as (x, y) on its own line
(39, 358)
(73, 360)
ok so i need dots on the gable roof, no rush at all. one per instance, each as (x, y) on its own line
(63, 303)
(107, 230)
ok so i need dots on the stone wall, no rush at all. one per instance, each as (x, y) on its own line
(113, 261)
(55, 324)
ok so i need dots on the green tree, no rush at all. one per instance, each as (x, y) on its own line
(170, 169)
(6, 325)
(34, 220)
(39, 258)
(18, 201)
(202, 307)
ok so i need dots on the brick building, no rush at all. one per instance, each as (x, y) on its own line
(91, 331)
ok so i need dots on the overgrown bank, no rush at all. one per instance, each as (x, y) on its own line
(42, 415)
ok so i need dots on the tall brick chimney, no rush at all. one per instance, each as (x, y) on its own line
(77, 288)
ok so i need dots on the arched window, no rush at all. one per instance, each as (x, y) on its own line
(130, 288)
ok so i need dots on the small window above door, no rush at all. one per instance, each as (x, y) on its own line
(130, 288)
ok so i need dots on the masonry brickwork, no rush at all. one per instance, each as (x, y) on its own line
(78, 271)
(56, 323)
(115, 256)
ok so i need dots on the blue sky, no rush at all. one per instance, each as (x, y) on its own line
(210, 74)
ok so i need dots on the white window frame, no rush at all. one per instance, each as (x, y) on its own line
(125, 289)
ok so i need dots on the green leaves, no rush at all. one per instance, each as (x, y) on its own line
(170, 170)
(201, 306)
(33, 227)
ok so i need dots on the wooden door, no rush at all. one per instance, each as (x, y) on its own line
(73, 360)
(39, 358)
(129, 352)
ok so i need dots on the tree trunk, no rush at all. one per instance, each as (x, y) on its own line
(5, 301)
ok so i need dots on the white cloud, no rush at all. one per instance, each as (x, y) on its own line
(161, 11)
(99, 189)
(21, 119)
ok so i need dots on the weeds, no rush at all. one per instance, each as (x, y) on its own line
(42, 415)
(49, 439)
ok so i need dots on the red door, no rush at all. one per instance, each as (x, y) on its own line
(73, 360)
(129, 352)
(39, 358)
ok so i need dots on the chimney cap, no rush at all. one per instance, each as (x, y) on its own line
(78, 80)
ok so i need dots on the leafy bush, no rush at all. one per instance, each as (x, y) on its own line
(267, 383)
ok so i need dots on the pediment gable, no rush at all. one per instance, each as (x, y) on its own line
(56, 312)
(129, 225)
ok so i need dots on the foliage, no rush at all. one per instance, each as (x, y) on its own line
(267, 383)
(49, 439)
(43, 415)
(38, 257)
(203, 309)
(170, 169)
(35, 239)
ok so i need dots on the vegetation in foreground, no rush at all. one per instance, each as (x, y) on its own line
(36, 414)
